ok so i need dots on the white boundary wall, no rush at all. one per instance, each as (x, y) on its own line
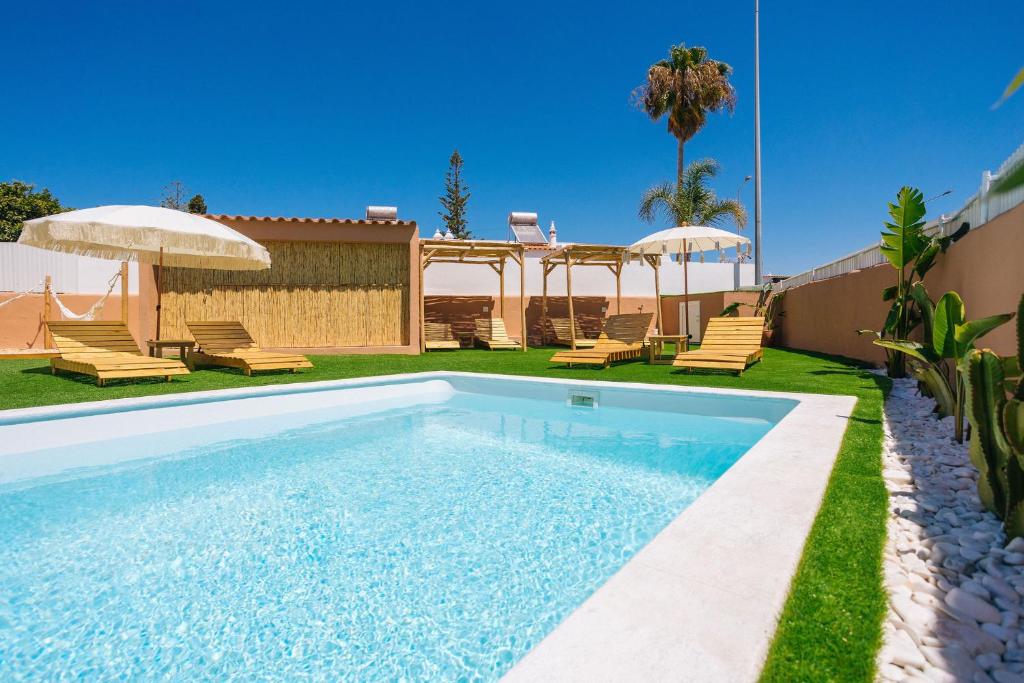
(637, 281)
(23, 267)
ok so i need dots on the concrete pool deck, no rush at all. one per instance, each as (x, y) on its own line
(699, 602)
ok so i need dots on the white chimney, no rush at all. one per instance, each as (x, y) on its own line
(382, 213)
(552, 235)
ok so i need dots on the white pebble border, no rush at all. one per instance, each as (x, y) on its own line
(955, 591)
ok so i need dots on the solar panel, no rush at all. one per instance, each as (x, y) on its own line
(528, 234)
(524, 226)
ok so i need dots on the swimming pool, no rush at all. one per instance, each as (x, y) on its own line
(420, 528)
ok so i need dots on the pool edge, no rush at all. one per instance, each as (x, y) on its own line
(702, 600)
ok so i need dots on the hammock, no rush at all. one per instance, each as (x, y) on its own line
(28, 291)
(95, 309)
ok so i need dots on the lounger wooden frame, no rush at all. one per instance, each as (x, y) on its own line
(731, 343)
(105, 350)
(560, 327)
(227, 343)
(622, 338)
(491, 334)
(439, 336)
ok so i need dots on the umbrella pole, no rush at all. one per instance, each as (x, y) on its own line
(159, 290)
(686, 291)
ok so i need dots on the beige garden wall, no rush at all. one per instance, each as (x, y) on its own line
(984, 267)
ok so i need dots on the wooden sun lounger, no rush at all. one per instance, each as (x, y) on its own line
(728, 344)
(439, 336)
(562, 338)
(105, 350)
(622, 339)
(491, 333)
(228, 344)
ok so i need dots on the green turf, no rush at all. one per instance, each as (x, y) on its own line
(831, 625)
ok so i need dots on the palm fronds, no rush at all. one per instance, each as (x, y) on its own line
(692, 202)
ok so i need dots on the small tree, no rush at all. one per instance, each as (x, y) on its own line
(197, 204)
(19, 202)
(456, 196)
(174, 196)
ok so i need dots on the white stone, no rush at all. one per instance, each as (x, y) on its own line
(973, 606)
(901, 651)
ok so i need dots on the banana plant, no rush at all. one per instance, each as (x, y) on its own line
(912, 252)
(948, 336)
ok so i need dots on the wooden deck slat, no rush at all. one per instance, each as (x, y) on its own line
(728, 344)
(622, 338)
(228, 343)
(105, 350)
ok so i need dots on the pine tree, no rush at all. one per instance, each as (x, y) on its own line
(197, 204)
(456, 196)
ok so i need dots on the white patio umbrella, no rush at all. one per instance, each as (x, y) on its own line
(684, 241)
(147, 234)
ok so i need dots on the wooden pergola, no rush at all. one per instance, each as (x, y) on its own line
(605, 255)
(478, 252)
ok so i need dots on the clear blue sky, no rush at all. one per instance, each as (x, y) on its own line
(318, 109)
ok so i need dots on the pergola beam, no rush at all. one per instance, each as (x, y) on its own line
(609, 256)
(475, 252)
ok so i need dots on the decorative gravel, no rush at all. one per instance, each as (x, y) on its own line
(955, 587)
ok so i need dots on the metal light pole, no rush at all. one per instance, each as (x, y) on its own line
(758, 261)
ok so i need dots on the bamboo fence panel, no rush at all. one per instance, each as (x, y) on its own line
(317, 294)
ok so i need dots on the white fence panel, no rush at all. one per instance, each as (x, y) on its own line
(979, 209)
(23, 267)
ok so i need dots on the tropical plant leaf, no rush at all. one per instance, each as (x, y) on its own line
(731, 309)
(938, 386)
(889, 293)
(949, 314)
(971, 330)
(911, 348)
(1019, 391)
(904, 241)
(948, 240)
(1014, 85)
(926, 259)
(925, 307)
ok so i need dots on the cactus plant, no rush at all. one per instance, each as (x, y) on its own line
(995, 410)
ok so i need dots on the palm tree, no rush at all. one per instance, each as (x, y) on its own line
(685, 87)
(691, 201)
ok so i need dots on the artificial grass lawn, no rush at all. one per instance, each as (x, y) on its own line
(830, 628)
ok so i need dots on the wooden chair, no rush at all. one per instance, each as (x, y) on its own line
(622, 339)
(728, 344)
(491, 333)
(439, 336)
(228, 344)
(105, 350)
(560, 326)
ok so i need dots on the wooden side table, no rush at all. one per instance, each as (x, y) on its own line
(184, 346)
(656, 348)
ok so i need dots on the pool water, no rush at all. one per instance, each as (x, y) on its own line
(432, 542)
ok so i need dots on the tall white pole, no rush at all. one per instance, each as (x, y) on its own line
(758, 262)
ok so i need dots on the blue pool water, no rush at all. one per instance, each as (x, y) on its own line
(435, 542)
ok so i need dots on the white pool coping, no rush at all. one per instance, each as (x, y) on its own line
(700, 602)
